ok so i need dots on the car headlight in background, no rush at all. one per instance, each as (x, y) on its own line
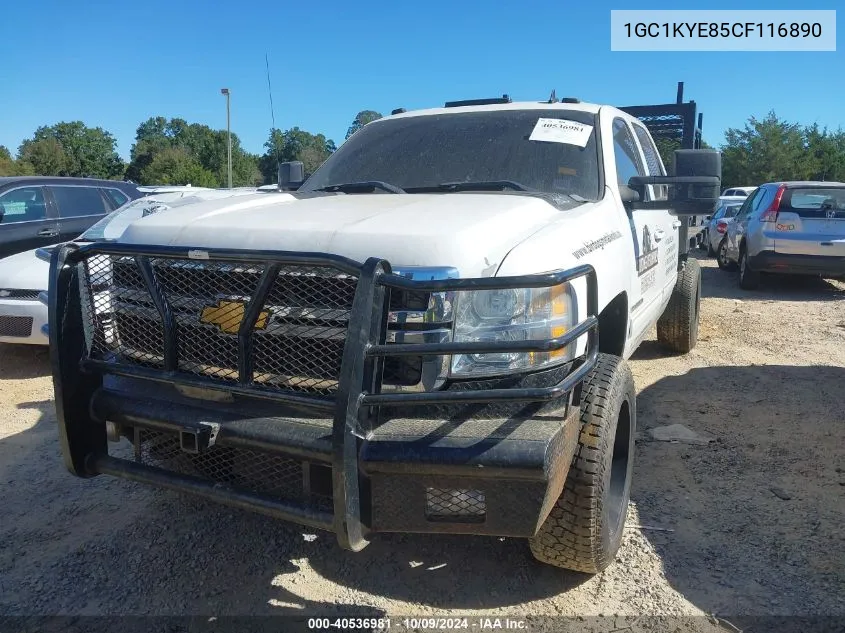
(523, 314)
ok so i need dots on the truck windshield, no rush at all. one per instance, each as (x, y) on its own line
(442, 152)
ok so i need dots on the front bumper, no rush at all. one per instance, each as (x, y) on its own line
(485, 458)
(21, 321)
(823, 266)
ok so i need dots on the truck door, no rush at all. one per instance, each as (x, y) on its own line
(648, 231)
(667, 225)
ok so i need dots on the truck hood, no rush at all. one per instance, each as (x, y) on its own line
(24, 271)
(472, 232)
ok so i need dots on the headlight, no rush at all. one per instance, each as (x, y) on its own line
(512, 315)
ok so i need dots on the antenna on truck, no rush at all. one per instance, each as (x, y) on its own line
(270, 90)
(272, 110)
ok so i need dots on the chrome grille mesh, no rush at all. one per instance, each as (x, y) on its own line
(297, 342)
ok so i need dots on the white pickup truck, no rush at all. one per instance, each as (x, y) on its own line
(432, 337)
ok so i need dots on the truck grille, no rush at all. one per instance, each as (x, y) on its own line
(297, 342)
(19, 293)
(16, 326)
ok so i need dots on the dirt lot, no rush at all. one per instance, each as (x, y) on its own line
(767, 381)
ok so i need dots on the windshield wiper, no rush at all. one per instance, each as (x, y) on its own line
(482, 185)
(364, 184)
(572, 196)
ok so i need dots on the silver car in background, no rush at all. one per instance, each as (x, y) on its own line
(789, 228)
(716, 231)
(731, 196)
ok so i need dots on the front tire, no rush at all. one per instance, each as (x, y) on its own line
(677, 327)
(584, 530)
(748, 279)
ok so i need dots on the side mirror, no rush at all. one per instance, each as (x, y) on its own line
(694, 187)
(690, 196)
(291, 175)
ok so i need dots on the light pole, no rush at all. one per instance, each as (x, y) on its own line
(225, 91)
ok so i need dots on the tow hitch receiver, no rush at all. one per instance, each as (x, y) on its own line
(197, 439)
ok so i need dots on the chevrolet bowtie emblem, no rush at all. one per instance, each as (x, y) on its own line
(227, 315)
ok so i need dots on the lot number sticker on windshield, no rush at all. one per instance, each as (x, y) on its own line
(561, 131)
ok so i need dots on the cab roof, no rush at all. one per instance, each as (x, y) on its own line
(591, 108)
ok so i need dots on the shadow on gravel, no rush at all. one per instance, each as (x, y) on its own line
(19, 362)
(724, 284)
(105, 546)
(757, 513)
(26, 445)
(650, 350)
(449, 572)
(756, 520)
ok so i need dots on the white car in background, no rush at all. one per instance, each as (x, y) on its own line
(734, 195)
(24, 277)
(740, 192)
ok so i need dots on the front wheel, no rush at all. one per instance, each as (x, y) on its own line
(584, 530)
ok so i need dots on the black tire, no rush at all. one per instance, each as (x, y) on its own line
(722, 256)
(584, 530)
(677, 327)
(748, 279)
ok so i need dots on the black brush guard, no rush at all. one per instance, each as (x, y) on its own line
(78, 380)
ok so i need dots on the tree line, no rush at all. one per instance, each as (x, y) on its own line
(167, 152)
(173, 151)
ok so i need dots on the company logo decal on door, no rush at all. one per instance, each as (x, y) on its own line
(648, 256)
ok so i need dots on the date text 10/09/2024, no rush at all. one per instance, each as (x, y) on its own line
(416, 624)
(723, 29)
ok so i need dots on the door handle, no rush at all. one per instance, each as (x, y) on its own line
(676, 224)
(659, 234)
(48, 233)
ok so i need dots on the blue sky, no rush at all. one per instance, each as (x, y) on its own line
(114, 64)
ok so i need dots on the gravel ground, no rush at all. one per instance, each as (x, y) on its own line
(751, 523)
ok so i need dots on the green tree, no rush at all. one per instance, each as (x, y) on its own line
(11, 167)
(361, 119)
(205, 147)
(825, 154)
(72, 149)
(765, 150)
(47, 157)
(175, 166)
(294, 144)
